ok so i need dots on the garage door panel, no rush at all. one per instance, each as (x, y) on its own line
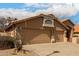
(36, 36)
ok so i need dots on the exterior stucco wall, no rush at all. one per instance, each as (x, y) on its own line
(75, 38)
(59, 32)
(11, 33)
(32, 31)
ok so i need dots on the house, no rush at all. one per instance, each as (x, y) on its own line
(76, 34)
(39, 29)
(69, 31)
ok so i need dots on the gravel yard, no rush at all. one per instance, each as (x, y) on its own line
(46, 49)
(55, 49)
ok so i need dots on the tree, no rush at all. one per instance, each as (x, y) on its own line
(18, 42)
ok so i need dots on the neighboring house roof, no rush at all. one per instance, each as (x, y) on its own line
(76, 28)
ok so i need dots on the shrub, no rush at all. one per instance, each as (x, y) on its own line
(6, 42)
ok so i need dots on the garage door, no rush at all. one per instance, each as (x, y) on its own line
(31, 36)
(60, 36)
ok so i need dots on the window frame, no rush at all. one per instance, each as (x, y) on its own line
(48, 25)
(48, 22)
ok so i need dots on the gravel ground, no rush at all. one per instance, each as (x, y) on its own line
(55, 49)
(46, 49)
(7, 52)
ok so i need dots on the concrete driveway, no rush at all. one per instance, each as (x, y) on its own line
(54, 49)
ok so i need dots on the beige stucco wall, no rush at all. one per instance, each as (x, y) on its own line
(11, 33)
(60, 32)
(65, 38)
(74, 40)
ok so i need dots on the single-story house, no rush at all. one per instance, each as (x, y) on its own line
(41, 29)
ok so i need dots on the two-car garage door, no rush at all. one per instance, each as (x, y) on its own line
(32, 36)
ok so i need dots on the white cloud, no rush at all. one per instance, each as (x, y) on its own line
(38, 5)
(58, 9)
(15, 13)
(63, 10)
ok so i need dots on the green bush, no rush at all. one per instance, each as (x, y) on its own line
(6, 42)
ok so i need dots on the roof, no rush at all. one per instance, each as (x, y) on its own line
(60, 22)
(41, 15)
(76, 28)
(23, 20)
(67, 20)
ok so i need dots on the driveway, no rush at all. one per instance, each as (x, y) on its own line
(54, 49)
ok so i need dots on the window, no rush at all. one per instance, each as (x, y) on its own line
(48, 22)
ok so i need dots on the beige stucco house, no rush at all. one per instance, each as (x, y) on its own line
(41, 29)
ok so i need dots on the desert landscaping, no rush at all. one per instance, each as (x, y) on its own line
(46, 49)
(42, 34)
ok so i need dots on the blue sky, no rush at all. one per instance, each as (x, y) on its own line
(23, 10)
(11, 5)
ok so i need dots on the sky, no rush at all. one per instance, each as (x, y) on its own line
(25, 10)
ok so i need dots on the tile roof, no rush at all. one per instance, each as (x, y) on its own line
(76, 28)
(67, 20)
(30, 18)
(41, 15)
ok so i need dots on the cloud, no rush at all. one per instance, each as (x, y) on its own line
(58, 9)
(15, 13)
(38, 5)
(63, 10)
